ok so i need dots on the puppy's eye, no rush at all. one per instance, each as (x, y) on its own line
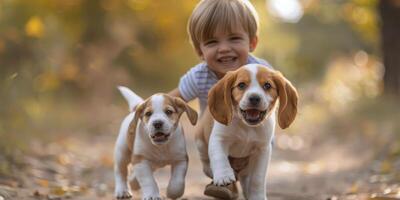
(242, 85)
(169, 112)
(267, 86)
(148, 113)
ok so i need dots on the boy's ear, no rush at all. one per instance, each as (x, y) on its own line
(253, 43)
(199, 53)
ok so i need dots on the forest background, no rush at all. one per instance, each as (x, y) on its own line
(61, 61)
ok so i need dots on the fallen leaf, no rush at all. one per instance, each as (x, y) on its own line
(36, 193)
(354, 188)
(64, 159)
(59, 190)
(43, 182)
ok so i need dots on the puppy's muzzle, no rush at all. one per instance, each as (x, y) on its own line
(159, 135)
(253, 113)
(254, 100)
(158, 124)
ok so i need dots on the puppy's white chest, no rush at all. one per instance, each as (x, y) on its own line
(245, 143)
(161, 155)
(248, 140)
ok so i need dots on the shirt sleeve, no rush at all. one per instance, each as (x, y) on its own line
(261, 61)
(187, 85)
(266, 63)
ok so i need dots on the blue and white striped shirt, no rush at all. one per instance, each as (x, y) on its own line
(199, 80)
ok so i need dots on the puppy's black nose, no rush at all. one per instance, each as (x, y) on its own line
(254, 100)
(158, 124)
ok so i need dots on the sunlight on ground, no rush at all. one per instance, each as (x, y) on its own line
(329, 162)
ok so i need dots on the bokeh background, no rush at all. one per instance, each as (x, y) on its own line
(60, 63)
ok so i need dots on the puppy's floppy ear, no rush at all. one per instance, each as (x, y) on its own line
(287, 100)
(182, 105)
(132, 126)
(220, 99)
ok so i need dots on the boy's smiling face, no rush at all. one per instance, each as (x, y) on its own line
(226, 51)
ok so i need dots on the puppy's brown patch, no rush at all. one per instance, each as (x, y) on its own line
(242, 77)
(147, 110)
(170, 109)
(265, 75)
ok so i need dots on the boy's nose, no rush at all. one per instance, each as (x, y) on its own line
(223, 47)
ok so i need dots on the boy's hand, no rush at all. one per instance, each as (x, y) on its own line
(175, 93)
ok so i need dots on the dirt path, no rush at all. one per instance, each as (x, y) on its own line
(81, 168)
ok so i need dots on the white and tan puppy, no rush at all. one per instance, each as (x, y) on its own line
(150, 138)
(234, 139)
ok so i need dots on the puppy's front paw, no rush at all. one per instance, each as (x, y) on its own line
(152, 197)
(122, 194)
(175, 189)
(224, 177)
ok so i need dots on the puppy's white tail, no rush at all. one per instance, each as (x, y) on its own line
(132, 98)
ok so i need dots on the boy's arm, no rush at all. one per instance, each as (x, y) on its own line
(175, 93)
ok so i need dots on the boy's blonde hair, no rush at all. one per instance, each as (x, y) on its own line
(209, 15)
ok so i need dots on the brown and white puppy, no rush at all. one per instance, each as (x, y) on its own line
(234, 138)
(150, 138)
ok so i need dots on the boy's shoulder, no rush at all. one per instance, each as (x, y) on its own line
(196, 82)
(200, 68)
(255, 60)
(201, 71)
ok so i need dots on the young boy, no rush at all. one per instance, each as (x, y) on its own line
(223, 33)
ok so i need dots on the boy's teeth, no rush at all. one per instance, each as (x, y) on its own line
(226, 59)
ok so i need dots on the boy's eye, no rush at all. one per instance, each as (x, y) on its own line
(242, 85)
(236, 38)
(210, 42)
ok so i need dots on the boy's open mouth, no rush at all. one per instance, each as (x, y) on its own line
(253, 116)
(227, 60)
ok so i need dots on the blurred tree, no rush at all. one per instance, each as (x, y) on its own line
(324, 31)
(390, 32)
(75, 52)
